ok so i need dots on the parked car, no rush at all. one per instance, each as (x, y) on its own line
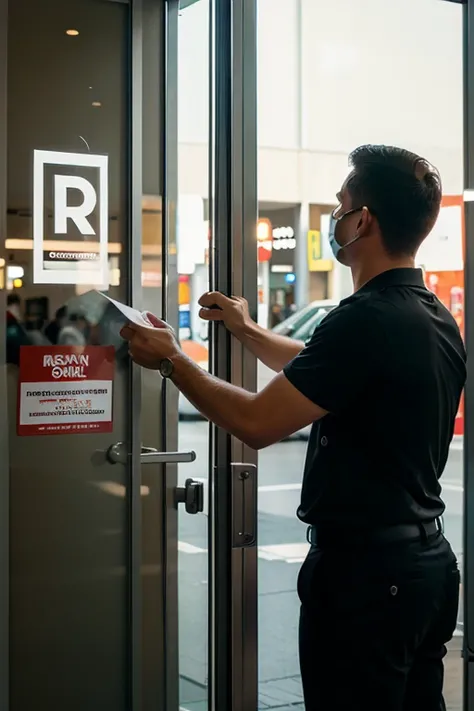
(302, 316)
(301, 330)
(299, 326)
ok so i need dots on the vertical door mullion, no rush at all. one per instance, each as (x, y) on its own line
(468, 29)
(244, 366)
(170, 313)
(245, 27)
(233, 589)
(220, 518)
(134, 298)
(4, 458)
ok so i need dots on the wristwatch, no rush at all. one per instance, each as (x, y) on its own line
(166, 368)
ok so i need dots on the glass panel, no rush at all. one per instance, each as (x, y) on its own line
(305, 136)
(67, 93)
(193, 276)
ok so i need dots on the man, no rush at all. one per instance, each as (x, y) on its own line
(381, 380)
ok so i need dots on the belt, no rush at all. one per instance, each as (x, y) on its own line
(322, 536)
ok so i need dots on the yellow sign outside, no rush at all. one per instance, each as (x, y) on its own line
(315, 261)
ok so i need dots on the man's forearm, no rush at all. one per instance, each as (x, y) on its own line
(223, 404)
(271, 349)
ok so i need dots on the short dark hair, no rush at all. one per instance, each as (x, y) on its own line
(401, 189)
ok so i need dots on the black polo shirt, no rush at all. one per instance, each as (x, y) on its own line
(389, 365)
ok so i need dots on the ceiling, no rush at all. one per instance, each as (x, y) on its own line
(71, 93)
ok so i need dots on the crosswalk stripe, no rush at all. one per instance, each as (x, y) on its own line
(184, 547)
(279, 487)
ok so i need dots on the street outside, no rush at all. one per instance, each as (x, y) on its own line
(281, 549)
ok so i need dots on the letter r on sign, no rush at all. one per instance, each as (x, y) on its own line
(78, 213)
(80, 205)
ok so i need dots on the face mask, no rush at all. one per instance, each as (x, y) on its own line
(334, 244)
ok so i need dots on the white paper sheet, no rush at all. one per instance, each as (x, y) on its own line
(131, 315)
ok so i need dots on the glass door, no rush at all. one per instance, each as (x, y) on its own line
(68, 375)
(216, 246)
(93, 550)
(89, 481)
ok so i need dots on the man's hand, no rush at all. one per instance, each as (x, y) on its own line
(233, 312)
(149, 345)
(270, 348)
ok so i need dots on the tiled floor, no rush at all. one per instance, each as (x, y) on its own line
(285, 694)
(280, 694)
(281, 548)
(453, 678)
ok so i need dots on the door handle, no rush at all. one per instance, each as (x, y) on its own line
(244, 504)
(118, 454)
(191, 495)
(151, 456)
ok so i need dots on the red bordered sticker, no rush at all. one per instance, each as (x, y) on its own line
(65, 390)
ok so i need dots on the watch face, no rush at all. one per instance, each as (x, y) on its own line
(166, 368)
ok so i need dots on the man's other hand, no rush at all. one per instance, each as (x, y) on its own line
(232, 311)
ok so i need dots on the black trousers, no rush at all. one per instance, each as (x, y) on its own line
(374, 624)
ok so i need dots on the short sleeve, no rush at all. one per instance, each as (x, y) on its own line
(336, 366)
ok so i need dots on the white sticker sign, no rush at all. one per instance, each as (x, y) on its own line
(70, 218)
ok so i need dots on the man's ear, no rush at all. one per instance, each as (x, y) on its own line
(365, 221)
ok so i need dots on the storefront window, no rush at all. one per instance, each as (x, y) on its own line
(319, 99)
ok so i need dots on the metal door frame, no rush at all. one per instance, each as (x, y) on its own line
(134, 234)
(233, 643)
(4, 456)
(169, 155)
(468, 644)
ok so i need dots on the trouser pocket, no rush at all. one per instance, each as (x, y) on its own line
(449, 614)
(308, 577)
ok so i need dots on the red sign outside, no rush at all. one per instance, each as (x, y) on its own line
(449, 288)
(264, 240)
(459, 421)
(264, 251)
(65, 390)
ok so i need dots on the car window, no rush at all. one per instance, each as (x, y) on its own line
(290, 324)
(306, 329)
